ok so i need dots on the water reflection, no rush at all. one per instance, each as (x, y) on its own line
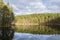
(36, 29)
(26, 36)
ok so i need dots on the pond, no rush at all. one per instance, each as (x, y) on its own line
(27, 36)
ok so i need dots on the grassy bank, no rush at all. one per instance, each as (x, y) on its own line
(38, 23)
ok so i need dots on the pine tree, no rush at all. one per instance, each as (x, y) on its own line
(7, 18)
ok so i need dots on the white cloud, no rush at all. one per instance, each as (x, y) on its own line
(23, 7)
(45, 11)
(54, 7)
(28, 8)
(16, 10)
(35, 7)
(15, 7)
(29, 0)
(54, 0)
(38, 5)
(22, 13)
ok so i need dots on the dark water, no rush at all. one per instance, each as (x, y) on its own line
(26, 36)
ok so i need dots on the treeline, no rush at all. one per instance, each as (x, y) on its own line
(46, 23)
(36, 18)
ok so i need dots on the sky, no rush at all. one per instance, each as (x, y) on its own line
(23, 7)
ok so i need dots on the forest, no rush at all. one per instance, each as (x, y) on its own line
(46, 23)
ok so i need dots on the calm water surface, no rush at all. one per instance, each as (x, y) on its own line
(26, 36)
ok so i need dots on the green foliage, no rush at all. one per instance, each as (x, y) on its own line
(36, 18)
(6, 23)
(7, 17)
(42, 20)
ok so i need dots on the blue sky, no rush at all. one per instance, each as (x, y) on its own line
(23, 7)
